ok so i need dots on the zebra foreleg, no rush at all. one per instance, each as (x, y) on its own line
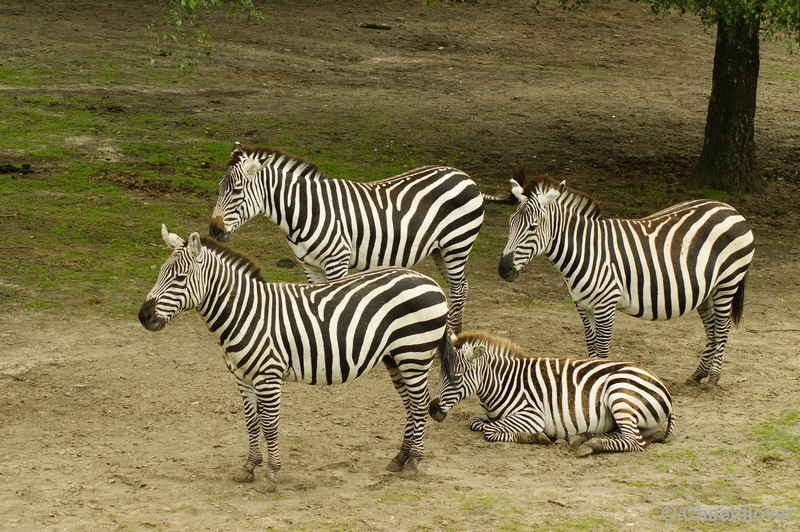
(524, 426)
(314, 274)
(477, 421)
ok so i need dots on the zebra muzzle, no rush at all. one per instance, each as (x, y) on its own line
(217, 230)
(436, 412)
(148, 318)
(506, 268)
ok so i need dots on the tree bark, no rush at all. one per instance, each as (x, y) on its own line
(728, 161)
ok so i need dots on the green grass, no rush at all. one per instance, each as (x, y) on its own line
(771, 71)
(779, 438)
(83, 231)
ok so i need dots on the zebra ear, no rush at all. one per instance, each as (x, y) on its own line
(552, 194)
(517, 190)
(251, 167)
(195, 247)
(473, 353)
(171, 239)
(237, 148)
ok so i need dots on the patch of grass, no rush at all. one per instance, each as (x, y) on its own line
(717, 195)
(779, 437)
(772, 71)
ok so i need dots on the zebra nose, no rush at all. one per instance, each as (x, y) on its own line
(148, 318)
(217, 229)
(506, 268)
(435, 411)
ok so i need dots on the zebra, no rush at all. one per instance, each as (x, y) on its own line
(326, 333)
(599, 405)
(333, 225)
(693, 255)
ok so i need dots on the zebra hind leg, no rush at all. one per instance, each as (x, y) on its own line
(396, 464)
(629, 438)
(452, 270)
(253, 423)
(706, 311)
(413, 389)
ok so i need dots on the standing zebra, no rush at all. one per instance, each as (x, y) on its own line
(325, 333)
(601, 406)
(689, 256)
(333, 225)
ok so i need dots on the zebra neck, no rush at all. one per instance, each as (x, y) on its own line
(290, 195)
(227, 292)
(573, 235)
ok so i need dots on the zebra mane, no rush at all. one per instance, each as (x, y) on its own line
(261, 153)
(238, 260)
(494, 343)
(573, 199)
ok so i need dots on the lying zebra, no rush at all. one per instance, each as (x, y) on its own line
(601, 406)
(326, 333)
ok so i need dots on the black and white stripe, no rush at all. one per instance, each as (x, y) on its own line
(598, 405)
(325, 333)
(694, 255)
(333, 225)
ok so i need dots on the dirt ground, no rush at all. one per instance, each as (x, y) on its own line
(106, 426)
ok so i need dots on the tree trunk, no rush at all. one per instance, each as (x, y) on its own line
(728, 161)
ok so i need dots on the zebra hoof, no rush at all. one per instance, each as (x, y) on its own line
(576, 440)
(396, 465)
(243, 475)
(693, 382)
(584, 450)
(410, 470)
(267, 486)
(526, 437)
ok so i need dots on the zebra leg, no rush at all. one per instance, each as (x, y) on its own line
(524, 426)
(252, 420)
(477, 421)
(314, 274)
(722, 326)
(412, 385)
(396, 464)
(628, 439)
(706, 311)
(452, 269)
(603, 317)
(268, 392)
(588, 332)
(576, 440)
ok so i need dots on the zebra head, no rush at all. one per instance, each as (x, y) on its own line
(529, 227)
(178, 286)
(239, 198)
(457, 380)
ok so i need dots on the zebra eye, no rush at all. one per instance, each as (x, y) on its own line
(180, 278)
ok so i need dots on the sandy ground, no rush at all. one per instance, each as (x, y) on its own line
(104, 425)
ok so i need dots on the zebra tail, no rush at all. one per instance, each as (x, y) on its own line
(447, 354)
(670, 428)
(737, 306)
(507, 200)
